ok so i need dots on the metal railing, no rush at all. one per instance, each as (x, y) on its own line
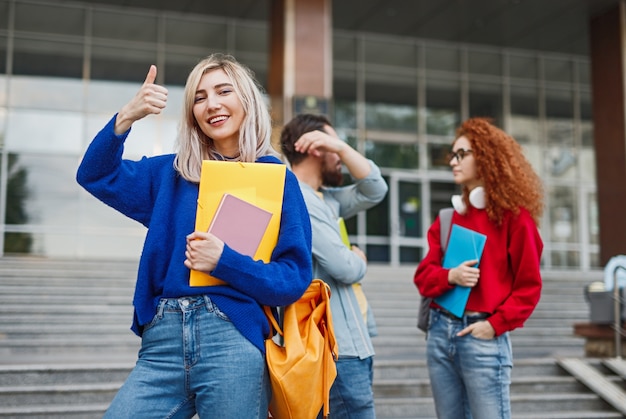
(617, 314)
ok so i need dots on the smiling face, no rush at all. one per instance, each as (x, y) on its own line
(218, 111)
(464, 168)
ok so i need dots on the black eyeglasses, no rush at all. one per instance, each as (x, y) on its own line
(459, 154)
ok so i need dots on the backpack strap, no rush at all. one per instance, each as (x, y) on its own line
(445, 219)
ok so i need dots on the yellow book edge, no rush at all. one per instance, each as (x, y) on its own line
(261, 184)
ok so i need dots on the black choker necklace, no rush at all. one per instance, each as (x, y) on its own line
(226, 158)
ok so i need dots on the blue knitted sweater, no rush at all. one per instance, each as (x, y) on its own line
(151, 192)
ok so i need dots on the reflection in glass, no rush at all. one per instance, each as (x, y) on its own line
(410, 209)
(17, 202)
(391, 103)
(402, 156)
(392, 117)
(563, 214)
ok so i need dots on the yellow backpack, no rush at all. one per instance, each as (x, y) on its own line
(302, 369)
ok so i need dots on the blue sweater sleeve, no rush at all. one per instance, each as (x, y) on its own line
(285, 278)
(124, 185)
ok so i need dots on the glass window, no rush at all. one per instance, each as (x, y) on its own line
(378, 253)
(592, 209)
(485, 100)
(54, 132)
(584, 72)
(17, 206)
(394, 54)
(178, 66)
(438, 155)
(411, 255)
(4, 14)
(402, 156)
(563, 214)
(483, 62)
(391, 102)
(48, 19)
(344, 48)
(47, 93)
(558, 70)
(440, 195)
(524, 120)
(565, 258)
(48, 58)
(344, 96)
(251, 39)
(586, 118)
(187, 33)
(443, 106)
(410, 209)
(3, 52)
(123, 64)
(125, 26)
(442, 58)
(523, 67)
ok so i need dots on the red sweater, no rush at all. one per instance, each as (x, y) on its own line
(509, 285)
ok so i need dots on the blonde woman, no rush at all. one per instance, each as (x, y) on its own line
(202, 348)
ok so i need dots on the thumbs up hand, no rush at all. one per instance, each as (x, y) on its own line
(150, 99)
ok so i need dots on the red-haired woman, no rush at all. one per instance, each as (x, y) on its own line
(470, 357)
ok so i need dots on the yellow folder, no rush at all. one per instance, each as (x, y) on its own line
(261, 184)
(357, 287)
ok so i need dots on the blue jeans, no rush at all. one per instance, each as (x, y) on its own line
(193, 360)
(351, 396)
(469, 377)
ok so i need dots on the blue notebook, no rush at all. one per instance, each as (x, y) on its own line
(463, 245)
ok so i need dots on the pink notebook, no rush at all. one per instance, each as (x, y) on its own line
(240, 224)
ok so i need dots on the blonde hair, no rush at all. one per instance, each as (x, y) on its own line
(254, 134)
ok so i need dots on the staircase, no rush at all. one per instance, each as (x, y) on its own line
(66, 347)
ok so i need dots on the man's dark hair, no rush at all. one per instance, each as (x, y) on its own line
(294, 129)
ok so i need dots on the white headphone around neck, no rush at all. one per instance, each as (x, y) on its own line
(476, 198)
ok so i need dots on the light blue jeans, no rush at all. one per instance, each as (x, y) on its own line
(193, 360)
(469, 377)
(351, 396)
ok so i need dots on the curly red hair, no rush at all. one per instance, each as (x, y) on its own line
(508, 178)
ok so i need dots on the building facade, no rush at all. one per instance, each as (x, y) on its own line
(396, 99)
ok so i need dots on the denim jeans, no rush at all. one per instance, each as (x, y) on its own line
(351, 396)
(469, 377)
(193, 360)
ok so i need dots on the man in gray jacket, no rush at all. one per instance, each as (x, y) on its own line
(316, 155)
